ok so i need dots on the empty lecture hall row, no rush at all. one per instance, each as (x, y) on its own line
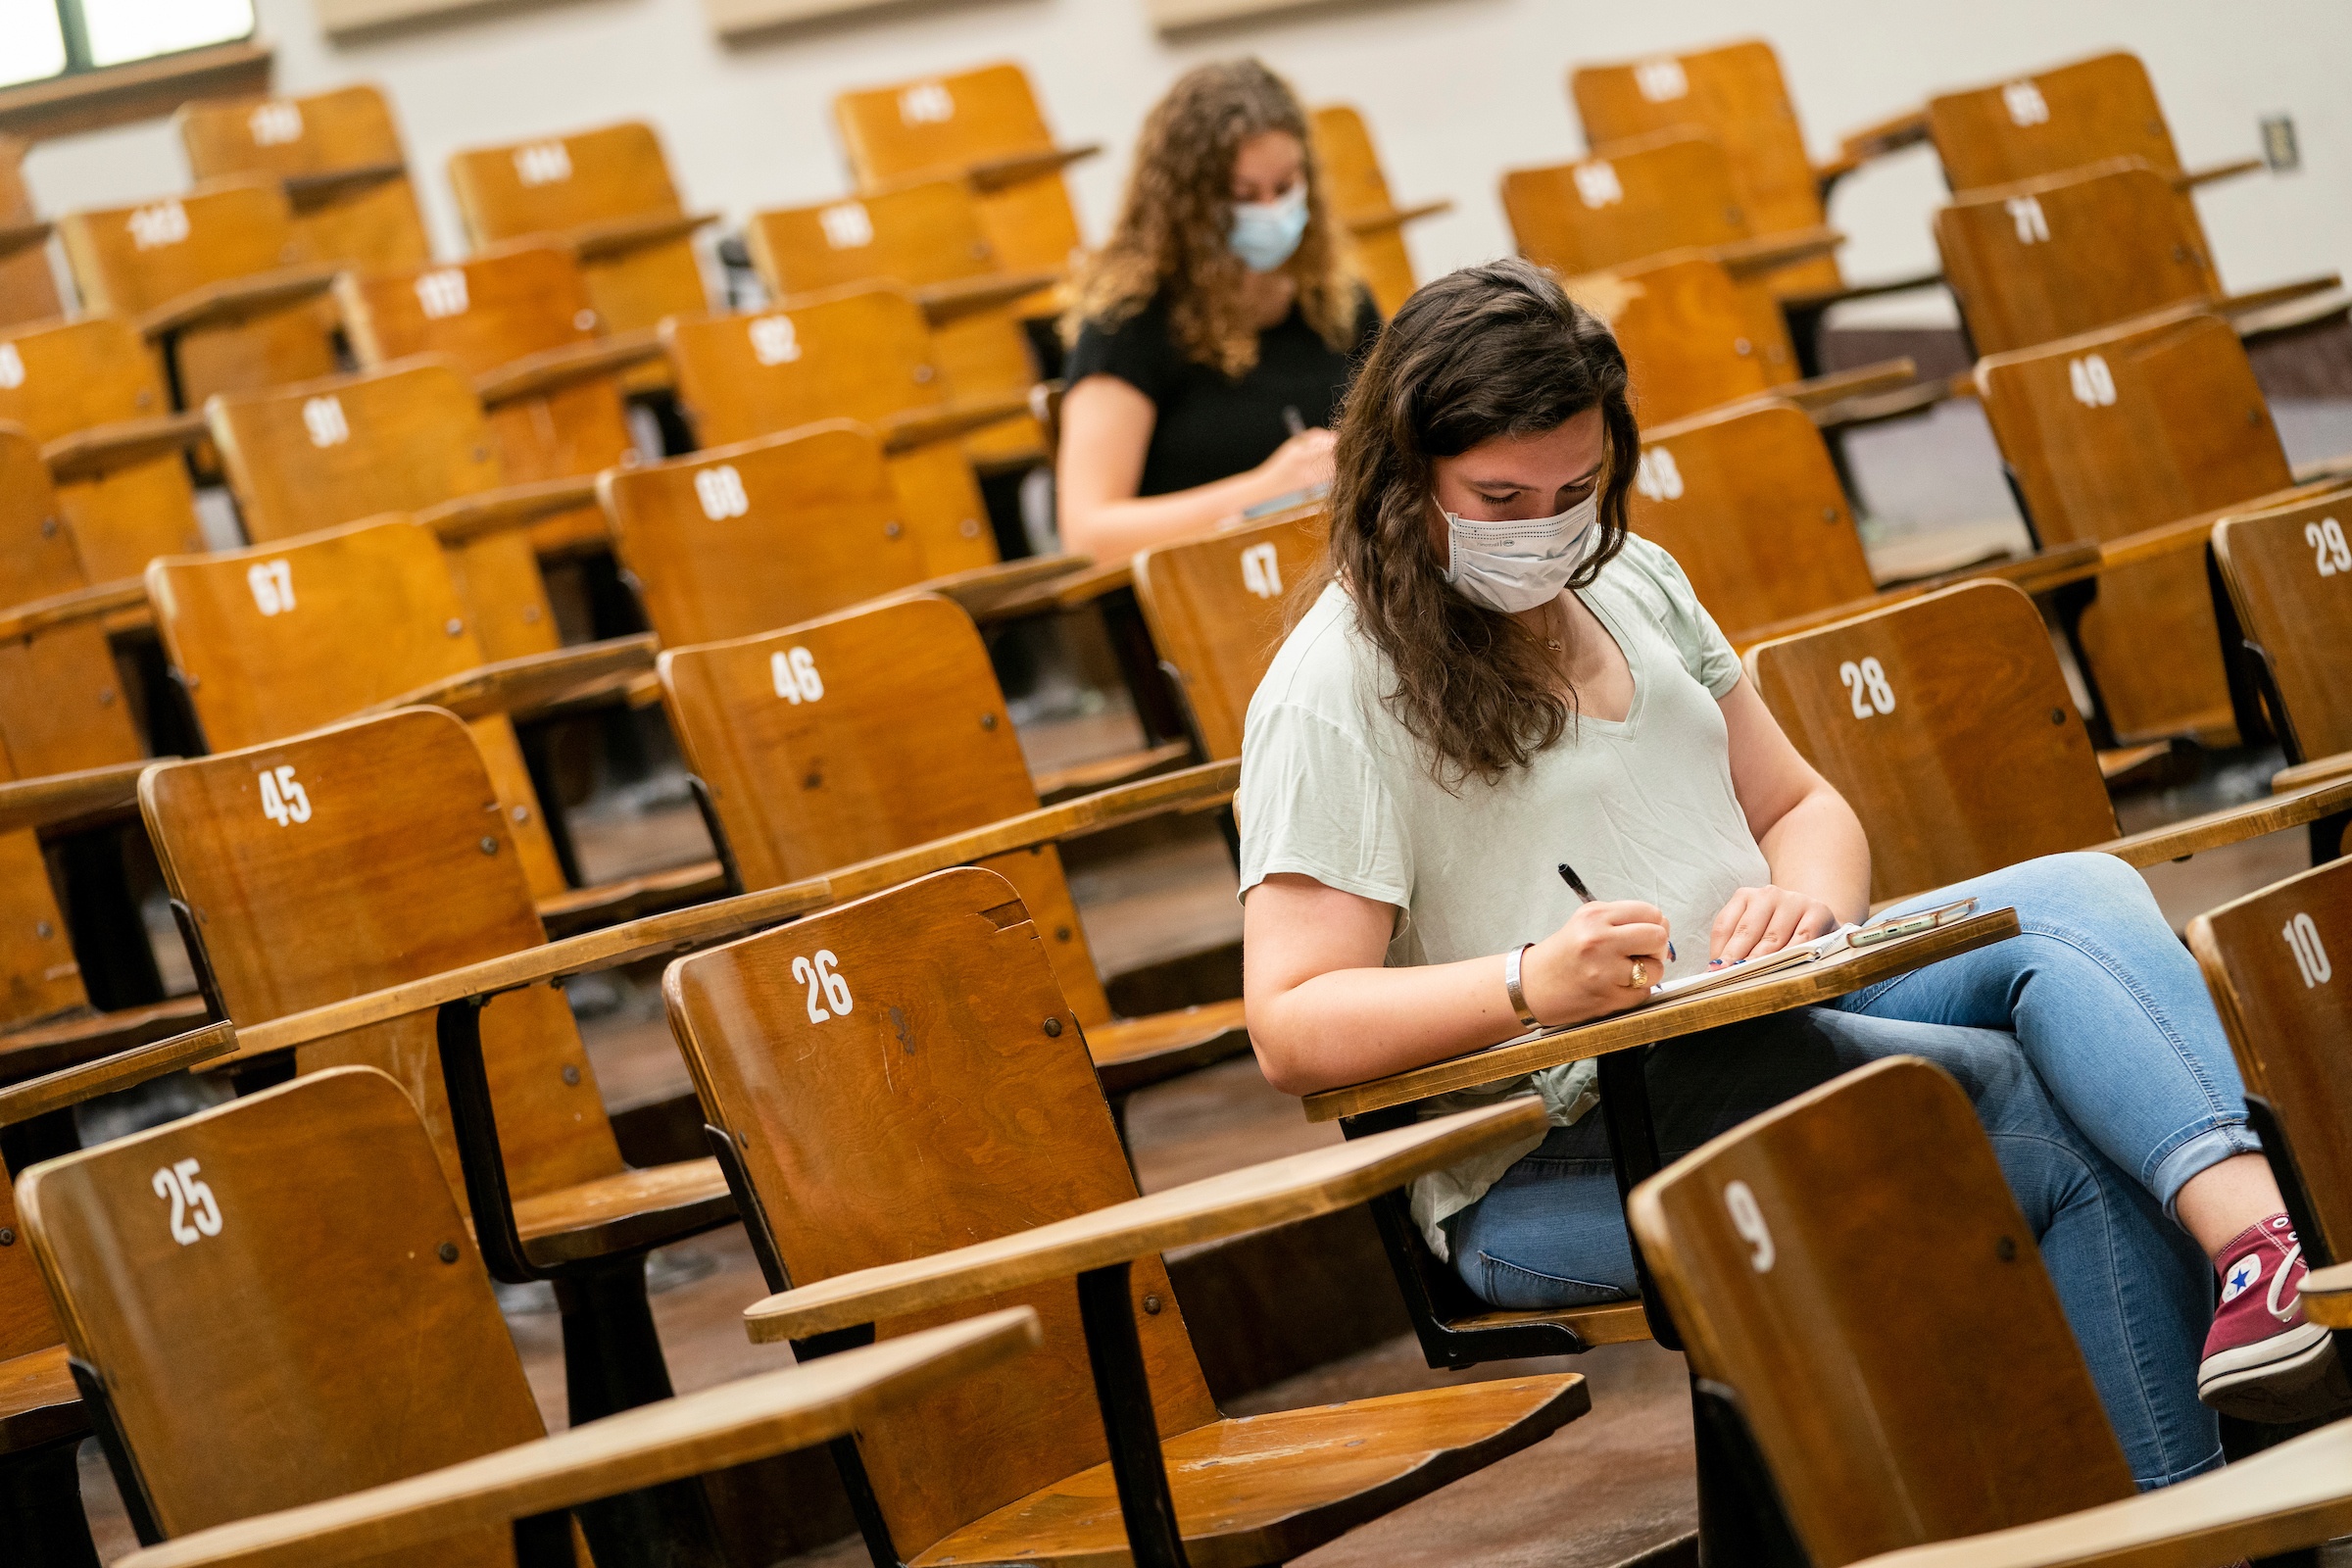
(1228, 827)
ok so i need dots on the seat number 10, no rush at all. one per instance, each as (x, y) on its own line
(2302, 935)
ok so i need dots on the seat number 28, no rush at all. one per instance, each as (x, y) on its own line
(1866, 687)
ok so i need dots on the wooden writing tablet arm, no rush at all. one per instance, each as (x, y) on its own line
(2297, 1495)
(105, 600)
(234, 299)
(907, 431)
(535, 375)
(670, 1440)
(70, 1086)
(533, 681)
(1395, 216)
(1001, 173)
(2178, 841)
(56, 798)
(517, 505)
(968, 296)
(103, 448)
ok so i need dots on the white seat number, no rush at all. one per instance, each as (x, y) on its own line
(284, 799)
(12, 366)
(543, 163)
(822, 981)
(720, 491)
(1261, 570)
(2326, 540)
(774, 341)
(1866, 687)
(2302, 935)
(794, 672)
(273, 124)
(926, 103)
(441, 293)
(1748, 1220)
(323, 419)
(1661, 80)
(194, 1214)
(2025, 104)
(848, 226)
(273, 585)
(1656, 475)
(1597, 184)
(157, 225)
(2092, 382)
(2025, 213)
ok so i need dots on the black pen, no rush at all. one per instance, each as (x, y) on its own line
(1576, 884)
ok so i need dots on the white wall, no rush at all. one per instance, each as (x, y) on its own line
(1455, 90)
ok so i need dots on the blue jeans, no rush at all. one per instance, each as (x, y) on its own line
(2092, 1052)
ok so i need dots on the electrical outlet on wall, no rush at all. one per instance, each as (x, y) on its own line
(2278, 149)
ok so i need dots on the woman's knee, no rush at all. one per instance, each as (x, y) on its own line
(2080, 881)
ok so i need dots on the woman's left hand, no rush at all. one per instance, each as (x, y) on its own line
(1760, 921)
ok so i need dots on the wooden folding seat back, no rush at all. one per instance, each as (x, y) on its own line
(404, 438)
(38, 1407)
(2289, 576)
(558, 184)
(1946, 724)
(1748, 502)
(63, 378)
(1357, 188)
(2066, 118)
(28, 288)
(859, 353)
(128, 260)
(900, 1077)
(2117, 431)
(1624, 202)
(917, 235)
(1694, 339)
(231, 1279)
(767, 533)
(2059, 255)
(1218, 607)
(374, 852)
(941, 126)
(487, 312)
(36, 547)
(1735, 94)
(300, 633)
(340, 157)
(39, 978)
(1851, 1276)
(2270, 960)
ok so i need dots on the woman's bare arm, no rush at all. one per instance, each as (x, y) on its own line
(1811, 840)
(1106, 431)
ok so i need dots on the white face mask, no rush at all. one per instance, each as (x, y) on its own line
(1518, 565)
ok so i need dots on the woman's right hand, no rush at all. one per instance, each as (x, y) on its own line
(1299, 463)
(1584, 970)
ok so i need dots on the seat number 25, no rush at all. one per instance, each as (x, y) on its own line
(194, 1214)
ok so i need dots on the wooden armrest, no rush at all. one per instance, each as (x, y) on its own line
(2178, 841)
(996, 174)
(981, 588)
(2319, 770)
(315, 189)
(465, 518)
(652, 937)
(907, 431)
(537, 374)
(1396, 216)
(86, 453)
(2191, 179)
(1891, 135)
(2287, 315)
(55, 798)
(616, 236)
(2324, 470)
(1765, 253)
(234, 297)
(1821, 299)
(1059, 595)
(2037, 573)
(669, 1440)
(1822, 390)
(2192, 533)
(1254, 1198)
(1193, 789)
(81, 603)
(2277, 294)
(14, 237)
(943, 303)
(36, 1096)
(2297, 1495)
(532, 680)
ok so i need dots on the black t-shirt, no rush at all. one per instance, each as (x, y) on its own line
(1210, 427)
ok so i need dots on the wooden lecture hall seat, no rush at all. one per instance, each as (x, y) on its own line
(334, 1430)
(339, 158)
(1357, 188)
(928, 1090)
(983, 127)
(887, 726)
(927, 237)
(2136, 439)
(2067, 117)
(28, 288)
(607, 196)
(2288, 574)
(375, 853)
(1215, 606)
(89, 391)
(1948, 725)
(1864, 1303)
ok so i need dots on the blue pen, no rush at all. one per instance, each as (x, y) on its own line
(1577, 883)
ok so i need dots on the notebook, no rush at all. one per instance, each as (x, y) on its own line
(1813, 952)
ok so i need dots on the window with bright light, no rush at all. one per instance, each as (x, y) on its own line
(44, 38)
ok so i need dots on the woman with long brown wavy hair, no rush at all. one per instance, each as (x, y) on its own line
(1501, 692)
(1213, 334)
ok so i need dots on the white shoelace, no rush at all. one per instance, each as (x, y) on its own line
(2278, 1278)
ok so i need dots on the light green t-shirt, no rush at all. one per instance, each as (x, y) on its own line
(1334, 786)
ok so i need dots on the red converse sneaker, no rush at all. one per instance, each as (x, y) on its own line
(2264, 1361)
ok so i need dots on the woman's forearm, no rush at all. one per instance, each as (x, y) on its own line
(1115, 530)
(1348, 1025)
(1817, 848)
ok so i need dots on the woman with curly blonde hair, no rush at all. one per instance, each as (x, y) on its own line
(1213, 334)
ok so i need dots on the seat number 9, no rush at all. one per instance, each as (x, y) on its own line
(1748, 1220)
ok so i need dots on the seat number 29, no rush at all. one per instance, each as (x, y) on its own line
(826, 987)
(2326, 538)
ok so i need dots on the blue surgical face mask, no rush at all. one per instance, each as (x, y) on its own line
(1265, 233)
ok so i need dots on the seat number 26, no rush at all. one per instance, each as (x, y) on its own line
(826, 987)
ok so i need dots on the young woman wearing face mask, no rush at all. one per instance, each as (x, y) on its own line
(1214, 332)
(1499, 678)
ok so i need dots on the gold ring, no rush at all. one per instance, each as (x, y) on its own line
(1640, 975)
